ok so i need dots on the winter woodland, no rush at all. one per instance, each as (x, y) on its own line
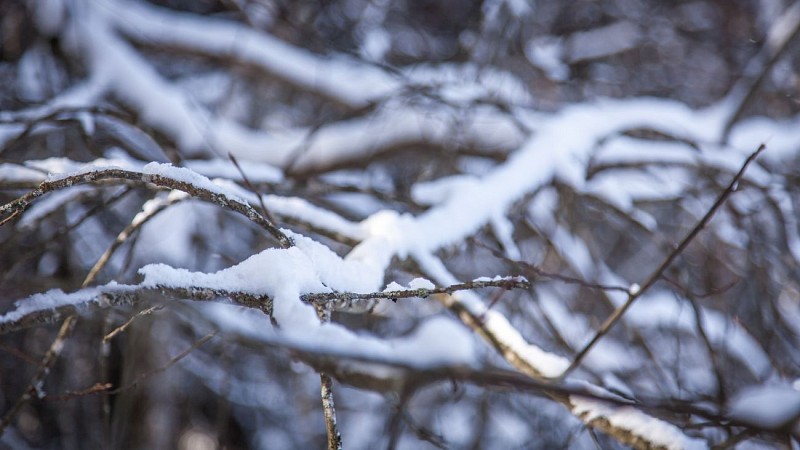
(417, 224)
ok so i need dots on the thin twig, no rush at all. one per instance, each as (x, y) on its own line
(634, 294)
(124, 326)
(532, 270)
(199, 343)
(722, 396)
(151, 209)
(106, 388)
(782, 32)
(35, 387)
(97, 388)
(252, 189)
(329, 409)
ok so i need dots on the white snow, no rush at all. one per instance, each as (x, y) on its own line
(394, 287)
(659, 432)
(769, 407)
(548, 364)
(465, 83)
(14, 173)
(55, 298)
(437, 342)
(421, 283)
(221, 168)
(340, 274)
(185, 175)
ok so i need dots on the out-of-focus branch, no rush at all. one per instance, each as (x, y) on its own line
(637, 291)
(36, 385)
(534, 271)
(539, 364)
(782, 32)
(150, 210)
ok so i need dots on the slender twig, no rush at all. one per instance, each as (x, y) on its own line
(423, 433)
(782, 32)
(15, 207)
(252, 189)
(96, 388)
(150, 210)
(710, 293)
(35, 387)
(142, 377)
(108, 388)
(634, 294)
(712, 354)
(36, 251)
(533, 270)
(124, 326)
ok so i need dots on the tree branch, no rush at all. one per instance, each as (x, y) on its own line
(636, 293)
(15, 207)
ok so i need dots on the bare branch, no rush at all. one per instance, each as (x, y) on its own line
(152, 208)
(36, 385)
(783, 32)
(174, 360)
(534, 271)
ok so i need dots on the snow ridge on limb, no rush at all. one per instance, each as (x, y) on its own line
(163, 175)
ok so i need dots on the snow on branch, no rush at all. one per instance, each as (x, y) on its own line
(332, 77)
(328, 339)
(162, 175)
(119, 69)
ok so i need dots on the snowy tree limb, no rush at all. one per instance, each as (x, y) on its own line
(169, 178)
